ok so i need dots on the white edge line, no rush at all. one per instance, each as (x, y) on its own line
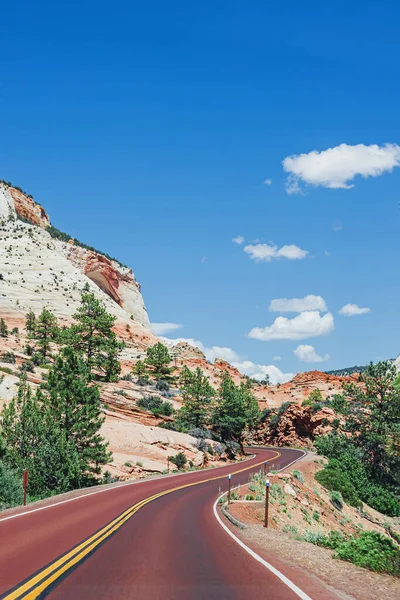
(258, 558)
(108, 489)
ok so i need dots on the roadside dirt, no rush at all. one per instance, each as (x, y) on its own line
(293, 516)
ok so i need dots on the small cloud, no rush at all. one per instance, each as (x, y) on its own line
(309, 302)
(327, 253)
(267, 252)
(238, 240)
(305, 353)
(204, 260)
(268, 182)
(337, 226)
(305, 325)
(337, 167)
(164, 328)
(276, 358)
(350, 310)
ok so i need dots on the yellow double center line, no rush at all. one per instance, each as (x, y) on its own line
(36, 585)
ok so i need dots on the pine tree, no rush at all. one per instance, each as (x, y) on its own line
(3, 328)
(197, 398)
(21, 426)
(30, 322)
(93, 336)
(236, 409)
(74, 403)
(45, 331)
(158, 358)
(34, 441)
(139, 369)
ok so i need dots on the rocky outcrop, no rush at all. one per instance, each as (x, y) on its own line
(29, 210)
(300, 387)
(297, 426)
(39, 271)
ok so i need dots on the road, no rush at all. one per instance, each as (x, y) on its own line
(157, 539)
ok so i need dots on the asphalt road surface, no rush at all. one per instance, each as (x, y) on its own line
(157, 539)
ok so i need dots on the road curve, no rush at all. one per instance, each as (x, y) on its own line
(158, 539)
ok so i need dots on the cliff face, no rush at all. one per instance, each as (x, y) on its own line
(39, 270)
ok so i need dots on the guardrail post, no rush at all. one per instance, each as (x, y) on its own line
(266, 502)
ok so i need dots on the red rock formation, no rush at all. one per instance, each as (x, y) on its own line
(298, 426)
(28, 209)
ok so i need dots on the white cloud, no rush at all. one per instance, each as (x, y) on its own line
(308, 354)
(268, 182)
(276, 358)
(305, 325)
(309, 302)
(164, 328)
(246, 367)
(336, 167)
(266, 252)
(350, 310)
(238, 240)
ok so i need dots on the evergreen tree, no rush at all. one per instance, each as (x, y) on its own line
(197, 398)
(30, 322)
(236, 408)
(139, 369)
(45, 331)
(74, 403)
(34, 441)
(3, 328)
(93, 336)
(158, 358)
(21, 426)
(373, 419)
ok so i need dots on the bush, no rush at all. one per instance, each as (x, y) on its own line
(299, 476)
(333, 479)
(27, 367)
(155, 405)
(11, 491)
(371, 550)
(8, 357)
(179, 460)
(127, 377)
(336, 499)
(162, 385)
(199, 433)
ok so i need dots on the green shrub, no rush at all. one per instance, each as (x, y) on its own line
(11, 491)
(316, 515)
(155, 405)
(179, 460)
(333, 479)
(336, 499)
(371, 550)
(139, 463)
(298, 475)
(8, 357)
(249, 497)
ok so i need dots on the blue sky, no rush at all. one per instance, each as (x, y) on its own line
(148, 130)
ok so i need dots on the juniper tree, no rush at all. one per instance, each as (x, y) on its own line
(93, 337)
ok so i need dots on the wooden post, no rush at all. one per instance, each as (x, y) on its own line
(168, 463)
(266, 502)
(229, 488)
(25, 483)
